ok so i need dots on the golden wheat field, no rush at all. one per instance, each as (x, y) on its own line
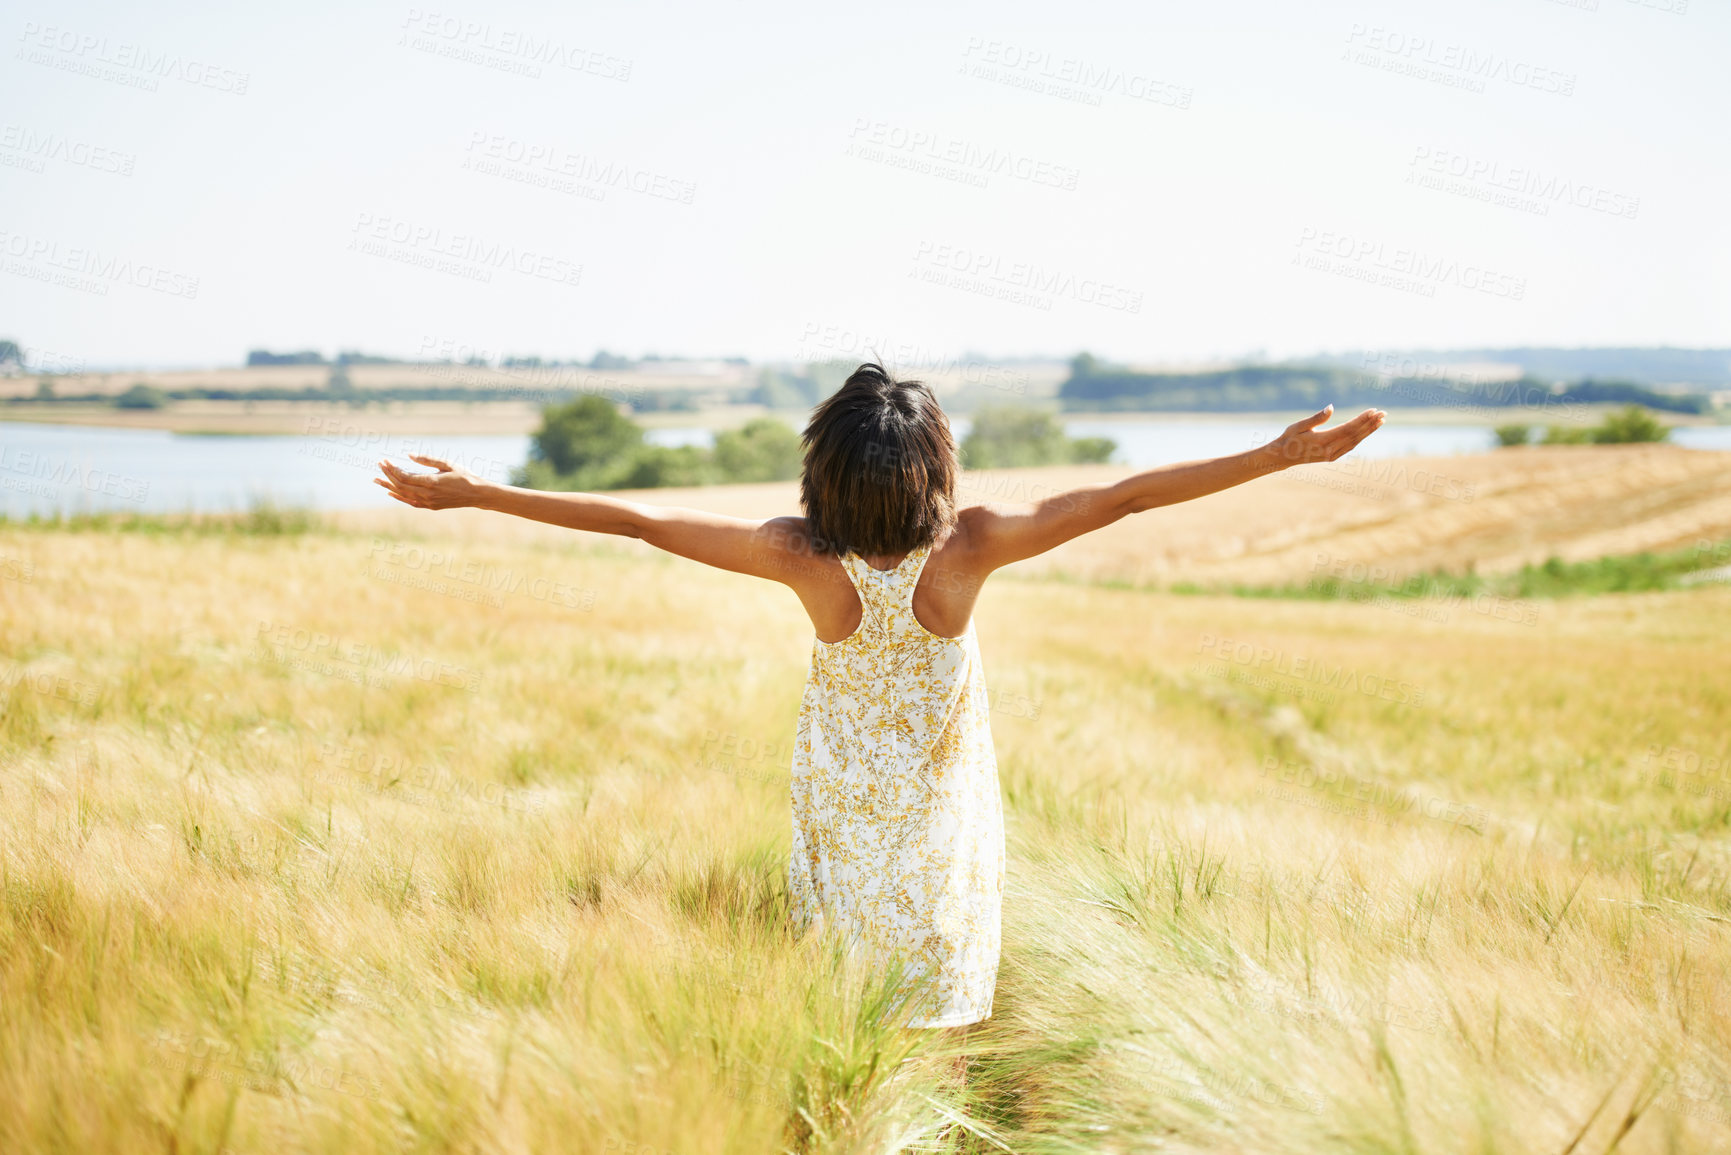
(437, 834)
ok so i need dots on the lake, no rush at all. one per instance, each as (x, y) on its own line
(48, 469)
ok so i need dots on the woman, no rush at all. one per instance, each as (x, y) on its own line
(897, 825)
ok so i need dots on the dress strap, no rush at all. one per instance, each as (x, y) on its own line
(908, 575)
(885, 594)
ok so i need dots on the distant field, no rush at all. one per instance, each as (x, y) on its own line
(508, 400)
(365, 377)
(504, 416)
(295, 417)
(1018, 380)
(474, 834)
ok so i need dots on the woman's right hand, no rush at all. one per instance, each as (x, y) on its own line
(449, 488)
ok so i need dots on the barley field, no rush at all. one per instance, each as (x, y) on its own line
(431, 833)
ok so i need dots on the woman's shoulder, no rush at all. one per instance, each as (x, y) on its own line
(791, 533)
(962, 540)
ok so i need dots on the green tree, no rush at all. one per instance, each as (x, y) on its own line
(763, 450)
(585, 443)
(588, 444)
(1004, 437)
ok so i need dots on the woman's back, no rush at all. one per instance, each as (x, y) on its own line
(949, 581)
(897, 824)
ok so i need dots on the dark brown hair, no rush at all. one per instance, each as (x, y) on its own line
(880, 467)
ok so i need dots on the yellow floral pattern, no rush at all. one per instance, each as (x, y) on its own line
(898, 829)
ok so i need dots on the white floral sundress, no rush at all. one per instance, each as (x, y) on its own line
(898, 829)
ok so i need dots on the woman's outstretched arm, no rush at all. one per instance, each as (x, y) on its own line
(770, 548)
(1008, 533)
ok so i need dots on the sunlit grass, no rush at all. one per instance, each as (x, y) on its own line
(260, 520)
(1553, 578)
(310, 846)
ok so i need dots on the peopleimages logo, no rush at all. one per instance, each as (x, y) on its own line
(314, 650)
(463, 254)
(1525, 187)
(55, 472)
(992, 274)
(509, 49)
(1309, 670)
(493, 154)
(1458, 65)
(1072, 77)
(88, 269)
(35, 148)
(409, 564)
(1402, 267)
(927, 150)
(133, 65)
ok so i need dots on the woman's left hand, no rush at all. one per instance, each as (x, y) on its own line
(1304, 441)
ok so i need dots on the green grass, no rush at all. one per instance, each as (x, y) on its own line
(1554, 578)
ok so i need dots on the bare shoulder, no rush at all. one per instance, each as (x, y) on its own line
(788, 532)
(1000, 533)
(968, 535)
(790, 551)
(960, 559)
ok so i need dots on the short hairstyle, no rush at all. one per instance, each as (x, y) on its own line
(880, 467)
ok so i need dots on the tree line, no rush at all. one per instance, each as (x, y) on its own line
(1097, 386)
(588, 444)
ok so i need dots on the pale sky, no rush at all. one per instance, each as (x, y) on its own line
(1152, 182)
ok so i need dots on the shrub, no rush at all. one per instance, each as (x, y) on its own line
(141, 396)
(588, 444)
(1511, 435)
(657, 466)
(1626, 426)
(764, 450)
(1629, 425)
(1092, 450)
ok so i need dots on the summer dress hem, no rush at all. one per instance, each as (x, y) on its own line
(949, 1021)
